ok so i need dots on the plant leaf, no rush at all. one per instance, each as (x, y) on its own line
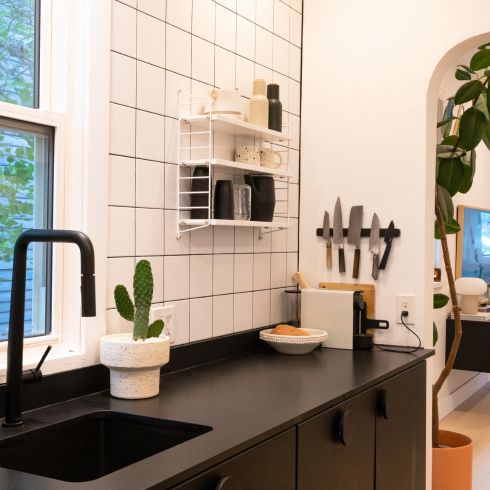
(449, 151)
(124, 304)
(482, 105)
(451, 175)
(445, 203)
(480, 60)
(486, 136)
(467, 68)
(469, 165)
(468, 91)
(435, 334)
(440, 301)
(462, 74)
(156, 328)
(472, 125)
(452, 227)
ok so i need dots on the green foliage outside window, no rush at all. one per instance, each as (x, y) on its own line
(17, 152)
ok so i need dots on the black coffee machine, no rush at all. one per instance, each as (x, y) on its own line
(362, 339)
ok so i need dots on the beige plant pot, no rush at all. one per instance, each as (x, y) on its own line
(134, 364)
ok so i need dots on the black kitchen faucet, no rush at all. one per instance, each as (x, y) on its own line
(13, 415)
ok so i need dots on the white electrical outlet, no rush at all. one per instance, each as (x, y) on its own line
(167, 314)
(405, 302)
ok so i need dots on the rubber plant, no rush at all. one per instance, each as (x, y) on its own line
(465, 123)
(139, 311)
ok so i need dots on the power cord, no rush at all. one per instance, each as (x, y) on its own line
(411, 351)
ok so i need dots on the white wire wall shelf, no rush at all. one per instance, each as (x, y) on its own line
(248, 167)
(196, 148)
(236, 127)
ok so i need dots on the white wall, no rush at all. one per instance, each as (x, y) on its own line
(371, 75)
(367, 67)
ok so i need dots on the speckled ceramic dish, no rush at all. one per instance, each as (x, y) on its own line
(291, 344)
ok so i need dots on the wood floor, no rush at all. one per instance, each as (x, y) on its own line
(473, 419)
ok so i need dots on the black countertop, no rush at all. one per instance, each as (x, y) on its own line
(245, 399)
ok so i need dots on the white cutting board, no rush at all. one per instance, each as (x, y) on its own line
(331, 311)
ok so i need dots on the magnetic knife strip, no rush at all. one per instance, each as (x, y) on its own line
(365, 232)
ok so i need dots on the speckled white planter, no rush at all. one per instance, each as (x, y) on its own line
(134, 364)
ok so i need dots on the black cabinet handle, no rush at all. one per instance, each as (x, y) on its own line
(383, 405)
(228, 483)
(347, 428)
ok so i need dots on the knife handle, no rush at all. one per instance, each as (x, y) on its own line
(341, 260)
(375, 271)
(357, 259)
(329, 255)
(384, 260)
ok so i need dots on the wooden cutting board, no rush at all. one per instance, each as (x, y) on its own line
(368, 292)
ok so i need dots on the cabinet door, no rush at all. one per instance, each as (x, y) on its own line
(267, 466)
(400, 431)
(336, 448)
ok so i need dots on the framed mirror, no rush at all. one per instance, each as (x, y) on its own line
(473, 243)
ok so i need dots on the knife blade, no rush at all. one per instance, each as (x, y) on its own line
(338, 233)
(354, 236)
(326, 236)
(374, 245)
(390, 232)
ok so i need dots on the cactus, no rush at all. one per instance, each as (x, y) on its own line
(139, 312)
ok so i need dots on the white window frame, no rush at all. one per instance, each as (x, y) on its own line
(74, 100)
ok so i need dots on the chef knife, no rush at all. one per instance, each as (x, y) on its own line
(354, 236)
(338, 233)
(390, 232)
(326, 236)
(374, 245)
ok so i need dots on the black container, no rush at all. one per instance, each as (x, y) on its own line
(275, 107)
(263, 197)
(200, 185)
(223, 200)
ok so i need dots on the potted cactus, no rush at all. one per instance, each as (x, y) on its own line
(134, 359)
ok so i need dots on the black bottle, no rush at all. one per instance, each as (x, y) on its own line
(275, 107)
(201, 199)
(224, 207)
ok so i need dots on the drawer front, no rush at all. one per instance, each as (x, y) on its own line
(336, 448)
(400, 431)
(267, 466)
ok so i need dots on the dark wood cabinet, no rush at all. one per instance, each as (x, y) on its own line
(474, 347)
(267, 466)
(372, 441)
(375, 440)
(400, 431)
(336, 448)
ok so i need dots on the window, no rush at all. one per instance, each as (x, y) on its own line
(26, 159)
(26, 202)
(54, 147)
(19, 52)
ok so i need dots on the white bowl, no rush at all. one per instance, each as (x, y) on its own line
(292, 344)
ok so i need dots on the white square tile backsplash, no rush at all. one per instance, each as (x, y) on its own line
(151, 88)
(203, 19)
(150, 44)
(221, 280)
(123, 79)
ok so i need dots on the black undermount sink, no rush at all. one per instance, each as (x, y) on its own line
(93, 445)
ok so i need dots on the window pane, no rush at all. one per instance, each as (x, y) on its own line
(25, 202)
(19, 52)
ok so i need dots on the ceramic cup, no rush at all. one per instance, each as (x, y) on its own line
(270, 158)
(248, 154)
(225, 102)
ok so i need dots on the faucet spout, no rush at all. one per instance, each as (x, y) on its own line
(13, 415)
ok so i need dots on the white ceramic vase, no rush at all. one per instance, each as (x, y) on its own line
(134, 364)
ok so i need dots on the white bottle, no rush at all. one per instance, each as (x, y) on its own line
(259, 105)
